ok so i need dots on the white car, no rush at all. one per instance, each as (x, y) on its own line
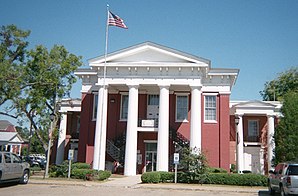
(12, 168)
(284, 179)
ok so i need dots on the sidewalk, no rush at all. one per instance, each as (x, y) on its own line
(135, 183)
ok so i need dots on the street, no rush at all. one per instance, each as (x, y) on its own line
(76, 190)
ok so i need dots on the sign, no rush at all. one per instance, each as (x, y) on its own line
(147, 123)
(70, 154)
(176, 158)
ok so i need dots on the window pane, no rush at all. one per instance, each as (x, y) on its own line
(181, 107)
(153, 99)
(210, 107)
(253, 128)
(95, 106)
(124, 106)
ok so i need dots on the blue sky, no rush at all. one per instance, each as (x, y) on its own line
(258, 37)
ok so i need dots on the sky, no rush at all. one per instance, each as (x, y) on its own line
(259, 37)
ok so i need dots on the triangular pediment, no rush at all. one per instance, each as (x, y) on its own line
(148, 53)
(254, 103)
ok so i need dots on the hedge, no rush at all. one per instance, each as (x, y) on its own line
(78, 171)
(208, 178)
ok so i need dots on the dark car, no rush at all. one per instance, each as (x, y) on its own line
(31, 161)
(12, 168)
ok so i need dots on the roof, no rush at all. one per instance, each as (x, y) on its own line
(10, 137)
(152, 46)
(4, 124)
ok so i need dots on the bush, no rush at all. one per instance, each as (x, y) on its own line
(103, 175)
(151, 177)
(78, 171)
(166, 176)
(81, 173)
(237, 179)
(216, 170)
(80, 166)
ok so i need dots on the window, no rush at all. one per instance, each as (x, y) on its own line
(124, 107)
(253, 131)
(95, 102)
(181, 107)
(78, 123)
(210, 108)
(153, 99)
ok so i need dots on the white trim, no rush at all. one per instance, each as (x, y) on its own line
(150, 141)
(216, 108)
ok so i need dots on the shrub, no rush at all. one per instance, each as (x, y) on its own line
(151, 177)
(81, 173)
(81, 166)
(166, 176)
(237, 179)
(216, 170)
(103, 175)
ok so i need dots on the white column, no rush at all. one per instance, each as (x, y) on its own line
(240, 149)
(195, 118)
(61, 139)
(270, 142)
(100, 130)
(131, 133)
(162, 163)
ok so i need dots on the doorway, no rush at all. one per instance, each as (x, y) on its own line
(150, 156)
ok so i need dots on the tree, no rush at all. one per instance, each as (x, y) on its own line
(12, 56)
(36, 81)
(286, 133)
(194, 163)
(277, 88)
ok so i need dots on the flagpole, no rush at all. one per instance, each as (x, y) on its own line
(103, 93)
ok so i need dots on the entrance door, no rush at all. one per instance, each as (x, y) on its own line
(150, 156)
(151, 161)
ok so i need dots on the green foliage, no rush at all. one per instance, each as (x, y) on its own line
(193, 162)
(286, 133)
(284, 83)
(151, 177)
(32, 82)
(81, 166)
(81, 173)
(216, 170)
(78, 171)
(166, 176)
(237, 179)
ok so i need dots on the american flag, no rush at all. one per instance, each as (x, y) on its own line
(115, 20)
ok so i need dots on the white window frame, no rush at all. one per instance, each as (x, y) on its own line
(206, 108)
(187, 107)
(121, 117)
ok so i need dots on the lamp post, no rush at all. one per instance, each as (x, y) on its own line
(237, 119)
(52, 117)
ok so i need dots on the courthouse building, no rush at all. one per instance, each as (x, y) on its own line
(142, 104)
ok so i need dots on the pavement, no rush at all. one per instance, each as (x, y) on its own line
(134, 182)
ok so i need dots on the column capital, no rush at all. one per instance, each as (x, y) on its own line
(166, 86)
(136, 86)
(193, 87)
(239, 115)
(271, 115)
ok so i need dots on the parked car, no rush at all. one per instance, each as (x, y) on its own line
(12, 168)
(31, 161)
(284, 179)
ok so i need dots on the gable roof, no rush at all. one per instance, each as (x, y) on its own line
(10, 137)
(143, 53)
